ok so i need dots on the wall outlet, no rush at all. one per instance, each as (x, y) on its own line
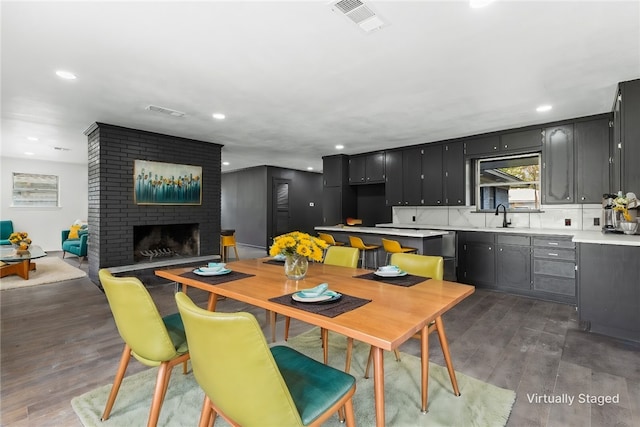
(596, 222)
(567, 222)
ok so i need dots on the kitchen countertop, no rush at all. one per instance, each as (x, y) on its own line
(578, 236)
(399, 231)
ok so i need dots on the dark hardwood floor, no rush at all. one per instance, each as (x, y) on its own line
(59, 341)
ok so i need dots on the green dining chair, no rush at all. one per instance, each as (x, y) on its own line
(249, 384)
(151, 339)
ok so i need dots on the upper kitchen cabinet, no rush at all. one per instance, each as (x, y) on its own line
(367, 168)
(482, 146)
(335, 170)
(443, 174)
(433, 176)
(626, 145)
(527, 140)
(505, 143)
(338, 198)
(454, 179)
(557, 165)
(591, 140)
(403, 181)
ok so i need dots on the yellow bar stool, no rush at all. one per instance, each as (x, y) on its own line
(356, 242)
(329, 239)
(394, 247)
(228, 240)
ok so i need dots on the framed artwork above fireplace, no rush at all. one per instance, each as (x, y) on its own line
(156, 183)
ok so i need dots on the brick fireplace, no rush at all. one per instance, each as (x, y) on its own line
(113, 214)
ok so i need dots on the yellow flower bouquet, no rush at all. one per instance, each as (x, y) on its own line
(20, 239)
(623, 203)
(298, 243)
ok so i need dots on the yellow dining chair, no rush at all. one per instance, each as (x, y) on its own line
(394, 247)
(151, 339)
(342, 256)
(249, 384)
(356, 242)
(433, 267)
(227, 241)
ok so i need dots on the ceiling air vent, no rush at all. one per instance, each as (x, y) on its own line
(359, 13)
(164, 110)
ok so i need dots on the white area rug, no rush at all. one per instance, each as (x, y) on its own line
(48, 270)
(480, 405)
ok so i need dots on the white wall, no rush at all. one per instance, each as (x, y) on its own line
(45, 224)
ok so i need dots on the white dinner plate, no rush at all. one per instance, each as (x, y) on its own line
(390, 273)
(211, 273)
(322, 298)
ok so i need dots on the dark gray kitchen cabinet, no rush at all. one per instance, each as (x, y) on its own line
(477, 264)
(609, 295)
(412, 176)
(591, 140)
(393, 180)
(454, 173)
(335, 170)
(558, 165)
(513, 262)
(403, 185)
(530, 140)
(482, 145)
(367, 168)
(338, 198)
(627, 135)
(433, 176)
(554, 268)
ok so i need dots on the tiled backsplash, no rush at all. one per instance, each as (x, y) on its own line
(581, 217)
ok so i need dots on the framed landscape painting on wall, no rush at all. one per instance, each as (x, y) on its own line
(157, 183)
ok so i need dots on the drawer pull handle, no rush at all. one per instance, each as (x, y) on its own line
(552, 254)
(553, 243)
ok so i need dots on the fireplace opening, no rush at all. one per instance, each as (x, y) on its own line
(153, 242)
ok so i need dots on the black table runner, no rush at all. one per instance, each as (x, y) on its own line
(216, 280)
(406, 281)
(329, 308)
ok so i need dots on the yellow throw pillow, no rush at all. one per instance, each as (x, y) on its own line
(73, 232)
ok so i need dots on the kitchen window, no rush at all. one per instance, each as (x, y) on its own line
(34, 190)
(513, 181)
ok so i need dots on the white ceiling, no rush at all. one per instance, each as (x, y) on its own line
(296, 78)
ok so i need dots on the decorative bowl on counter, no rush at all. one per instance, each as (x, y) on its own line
(629, 227)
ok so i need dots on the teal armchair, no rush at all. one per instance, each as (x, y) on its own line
(77, 247)
(6, 228)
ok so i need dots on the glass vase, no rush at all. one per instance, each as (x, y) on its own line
(295, 267)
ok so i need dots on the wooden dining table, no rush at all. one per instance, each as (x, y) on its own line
(393, 315)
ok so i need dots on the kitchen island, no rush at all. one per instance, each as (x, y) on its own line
(427, 242)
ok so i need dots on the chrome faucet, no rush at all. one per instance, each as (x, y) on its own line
(505, 224)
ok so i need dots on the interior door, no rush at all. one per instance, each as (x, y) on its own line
(280, 214)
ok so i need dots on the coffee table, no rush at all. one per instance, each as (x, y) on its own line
(19, 264)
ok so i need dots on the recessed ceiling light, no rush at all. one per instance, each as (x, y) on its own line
(543, 108)
(339, 147)
(32, 138)
(66, 75)
(218, 116)
(225, 163)
(479, 3)
(29, 153)
(309, 168)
